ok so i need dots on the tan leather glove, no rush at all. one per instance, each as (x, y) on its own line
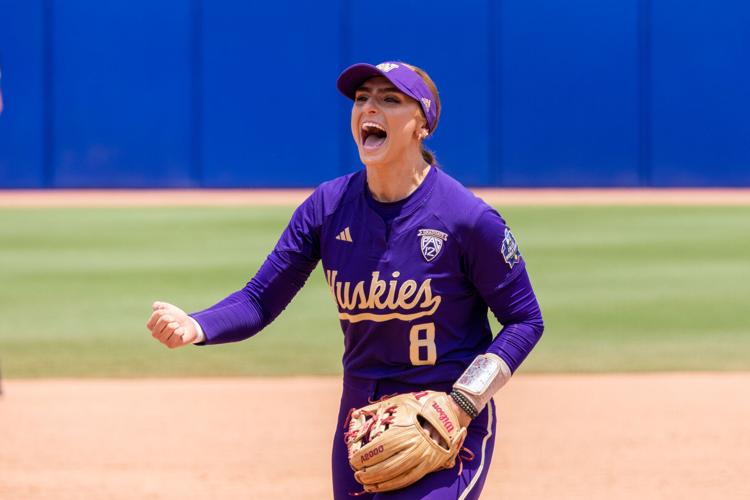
(395, 442)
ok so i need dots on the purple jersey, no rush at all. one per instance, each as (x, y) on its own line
(412, 293)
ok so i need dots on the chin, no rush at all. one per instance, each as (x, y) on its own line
(373, 158)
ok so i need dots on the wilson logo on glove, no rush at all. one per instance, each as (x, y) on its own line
(443, 417)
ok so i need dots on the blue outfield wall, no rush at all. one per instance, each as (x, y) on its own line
(228, 93)
(700, 93)
(121, 94)
(269, 105)
(568, 93)
(22, 122)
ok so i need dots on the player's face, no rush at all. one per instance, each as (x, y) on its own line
(386, 123)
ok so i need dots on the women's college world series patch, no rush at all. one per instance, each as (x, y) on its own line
(509, 249)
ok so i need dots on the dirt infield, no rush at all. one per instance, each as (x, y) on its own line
(665, 436)
(286, 197)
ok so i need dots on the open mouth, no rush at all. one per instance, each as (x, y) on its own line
(373, 135)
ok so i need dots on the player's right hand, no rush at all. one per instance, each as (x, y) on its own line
(171, 326)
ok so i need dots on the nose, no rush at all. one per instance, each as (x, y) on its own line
(370, 107)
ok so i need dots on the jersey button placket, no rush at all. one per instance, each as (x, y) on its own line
(378, 243)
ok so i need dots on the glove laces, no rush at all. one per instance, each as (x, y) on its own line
(468, 457)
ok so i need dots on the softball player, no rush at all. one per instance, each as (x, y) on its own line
(413, 261)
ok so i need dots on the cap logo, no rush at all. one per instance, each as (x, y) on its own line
(386, 67)
(426, 103)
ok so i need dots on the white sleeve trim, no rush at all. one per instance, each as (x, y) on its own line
(200, 337)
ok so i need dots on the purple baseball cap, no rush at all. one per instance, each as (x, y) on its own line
(399, 74)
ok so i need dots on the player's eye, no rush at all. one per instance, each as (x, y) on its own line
(392, 99)
(361, 98)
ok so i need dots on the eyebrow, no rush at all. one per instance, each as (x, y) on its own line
(386, 89)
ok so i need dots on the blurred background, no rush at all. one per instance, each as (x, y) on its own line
(222, 93)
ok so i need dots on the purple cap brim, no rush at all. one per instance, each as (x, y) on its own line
(400, 75)
(354, 76)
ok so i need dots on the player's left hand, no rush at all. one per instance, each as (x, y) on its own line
(171, 326)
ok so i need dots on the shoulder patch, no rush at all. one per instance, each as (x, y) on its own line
(509, 249)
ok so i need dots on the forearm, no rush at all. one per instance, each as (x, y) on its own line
(235, 318)
(490, 371)
(486, 374)
(517, 308)
(515, 341)
(246, 312)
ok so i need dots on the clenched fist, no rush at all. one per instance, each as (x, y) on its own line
(171, 326)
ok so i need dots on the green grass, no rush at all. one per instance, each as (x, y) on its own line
(621, 288)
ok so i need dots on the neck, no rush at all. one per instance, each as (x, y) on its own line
(394, 181)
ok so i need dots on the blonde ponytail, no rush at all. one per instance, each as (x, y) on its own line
(429, 156)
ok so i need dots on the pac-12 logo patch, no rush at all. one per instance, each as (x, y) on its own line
(431, 242)
(509, 249)
(386, 67)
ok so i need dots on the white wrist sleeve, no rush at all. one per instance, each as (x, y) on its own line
(483, 378)
(201, 336)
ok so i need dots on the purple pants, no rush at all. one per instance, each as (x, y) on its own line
(446, 484)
